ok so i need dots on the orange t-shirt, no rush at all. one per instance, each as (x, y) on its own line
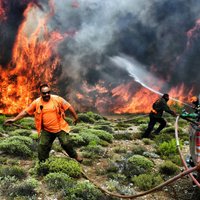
(50, 120)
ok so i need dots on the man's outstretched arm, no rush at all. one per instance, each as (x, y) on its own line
(18, 117)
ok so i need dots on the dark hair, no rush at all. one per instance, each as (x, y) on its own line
(165, 96)
(43, 85)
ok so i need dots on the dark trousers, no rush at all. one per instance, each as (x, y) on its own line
(46, 141)
(152, 122)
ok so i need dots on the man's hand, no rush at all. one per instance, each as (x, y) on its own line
(9, 121)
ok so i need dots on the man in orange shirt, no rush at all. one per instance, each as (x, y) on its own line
(49, 112)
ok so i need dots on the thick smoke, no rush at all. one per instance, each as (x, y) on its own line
(154, 32)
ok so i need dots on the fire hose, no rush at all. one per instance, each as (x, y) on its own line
(182, 174)
(178, 147)
(186, 172)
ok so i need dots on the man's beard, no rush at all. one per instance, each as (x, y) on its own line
(46, 98)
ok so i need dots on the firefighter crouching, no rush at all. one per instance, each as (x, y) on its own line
(156, 113)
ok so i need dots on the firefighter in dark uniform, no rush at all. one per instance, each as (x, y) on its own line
(195, 101)
(156, 115)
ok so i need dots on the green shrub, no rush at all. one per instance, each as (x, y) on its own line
(138, 164)
(147, 181)
(26, 188)
(22, 132)
(69, 120)
(88, 137)
(137, 149)
(58, 181)
(122, 126)
(77, 140)
(17, 145)
(2, 118)
(6, 185)
(163, 138)
(168, 130)
(101, 134)
(142, 127)
(83, 117)
(123, 136)
(16, 171)
(27, 122)
(147, 141)
(92, 150)
(83, 191)
(106, 128)
(62, 165)
(167, 149)
(168, 168)
(95, 116)
(3, 160)
(120, 149)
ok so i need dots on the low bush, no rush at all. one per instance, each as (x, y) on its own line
(83, 117)
(83, 190)
(104, 135)
(77, 140)
(147, 141)
(56, 164)
(27, 122)
(95, 116)
(22, 132)
(106, 128)
(88, 137)
(17, 145)
(6, 185)
(147, 181)
(26, 188)
(137, 149)
(137, 165)
(168, 168)
(58, 181)
(123, 136)
(92, 151)
(16, 171)
(119, 149)
(166, 149)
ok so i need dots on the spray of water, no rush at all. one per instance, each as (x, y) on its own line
(140, 74)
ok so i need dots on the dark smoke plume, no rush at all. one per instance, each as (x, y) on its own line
(154, 32)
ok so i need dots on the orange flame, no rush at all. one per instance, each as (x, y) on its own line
(34, 59)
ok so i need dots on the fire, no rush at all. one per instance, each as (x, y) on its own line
(133, 102)
(34, 59)
(126, 98)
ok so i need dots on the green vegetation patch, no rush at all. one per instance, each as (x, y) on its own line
(167, 149)
(61, 165)
(17, 145)
(147, 181)
(83, 190)
(22, 132)
(138, 164)
(58, 181)
(168, 168)
(15, 171)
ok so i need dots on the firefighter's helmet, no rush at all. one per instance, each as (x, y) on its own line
(193, 99)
